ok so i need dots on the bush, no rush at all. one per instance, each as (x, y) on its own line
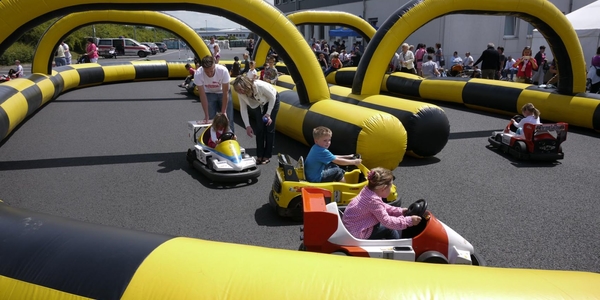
(19, 51)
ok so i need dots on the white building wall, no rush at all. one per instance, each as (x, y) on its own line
(460, 33)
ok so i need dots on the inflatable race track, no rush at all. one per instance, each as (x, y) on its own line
(47, 257)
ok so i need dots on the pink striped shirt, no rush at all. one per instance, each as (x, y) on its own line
(367, 209)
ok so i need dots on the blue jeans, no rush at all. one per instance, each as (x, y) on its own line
(265, 135)
(215, 102)
(60, 61)
(380, 232)
(332, 173)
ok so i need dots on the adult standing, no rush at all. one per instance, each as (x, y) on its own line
(502, 62)
(212, 81)
(246, 63)
(91, 50)
(594, 73)
(407, 59)
(490, 59)
(67, 52)
(263, 102)
(540, 59)
(211, 45)
(59, 56)
(439, 55)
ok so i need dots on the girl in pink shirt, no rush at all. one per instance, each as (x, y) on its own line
(368, 217)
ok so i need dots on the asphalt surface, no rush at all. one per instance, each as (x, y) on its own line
(115, 155)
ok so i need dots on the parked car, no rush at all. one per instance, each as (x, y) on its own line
(153, 47)
(430, 241)
(122, 46)
(537, 142)
(162, 47)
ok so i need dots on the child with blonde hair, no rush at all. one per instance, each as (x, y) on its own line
(321, 165)
(368, 217)
(531, 115)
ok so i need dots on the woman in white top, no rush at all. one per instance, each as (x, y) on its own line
(263, 100)
(406, 60)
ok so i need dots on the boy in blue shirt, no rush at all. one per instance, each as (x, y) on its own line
(321, 165)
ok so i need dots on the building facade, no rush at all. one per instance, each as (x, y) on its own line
(458, 32)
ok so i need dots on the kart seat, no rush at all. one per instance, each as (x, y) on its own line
(289, 172)
(300, 167)
(206, 136)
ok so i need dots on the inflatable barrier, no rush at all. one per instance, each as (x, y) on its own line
(361, 127)
(427, 126)
(42, 62)
(45, 257)
(68, 259)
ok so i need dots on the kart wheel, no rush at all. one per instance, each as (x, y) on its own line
(341, 253)
(498, 138)
(296, 209)
(520, 147)
(190, 156)
(477, 260)
(302, 247)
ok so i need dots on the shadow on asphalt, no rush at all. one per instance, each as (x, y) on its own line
(523, 163)
(266, 216)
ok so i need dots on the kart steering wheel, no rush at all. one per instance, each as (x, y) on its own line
(226, 136)
(418, 208)
(517, 119)
(352, 167)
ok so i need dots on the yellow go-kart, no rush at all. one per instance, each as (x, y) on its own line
(286, 192)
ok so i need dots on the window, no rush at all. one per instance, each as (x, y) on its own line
(510, 26)
(373, 21)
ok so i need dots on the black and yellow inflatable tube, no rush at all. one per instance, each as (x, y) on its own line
(42, 62)
(542, 14)
(54, 258)
(264, 19)
(427, 126)
(582, 109)
(356, 129)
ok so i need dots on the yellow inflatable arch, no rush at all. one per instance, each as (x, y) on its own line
(257, 15)
(42, 61)
(542, 14)
(331, 18)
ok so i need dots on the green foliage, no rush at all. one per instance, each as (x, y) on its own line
(24, 48)
(19, 51)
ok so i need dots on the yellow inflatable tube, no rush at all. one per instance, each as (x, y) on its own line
(356, 129)
(87, 261)
(42, 62)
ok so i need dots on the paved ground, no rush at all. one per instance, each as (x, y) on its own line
(115, 155)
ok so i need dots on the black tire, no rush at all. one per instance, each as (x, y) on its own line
(520, 147)
(296, 209)
(436, 260)
(341, 253)
(190, 156)
(477, 260)
(142, 54)
(302, 247)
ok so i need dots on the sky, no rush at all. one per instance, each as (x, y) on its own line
(200, 20)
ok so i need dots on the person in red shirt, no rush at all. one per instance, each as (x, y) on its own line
(525, 66)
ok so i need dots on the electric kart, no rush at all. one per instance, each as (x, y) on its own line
(536, 142)
(286, 192)
(430, 241)
(227, 162)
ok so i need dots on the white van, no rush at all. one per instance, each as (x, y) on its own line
(121, 46)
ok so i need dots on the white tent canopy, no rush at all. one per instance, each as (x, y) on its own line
(586, 22)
